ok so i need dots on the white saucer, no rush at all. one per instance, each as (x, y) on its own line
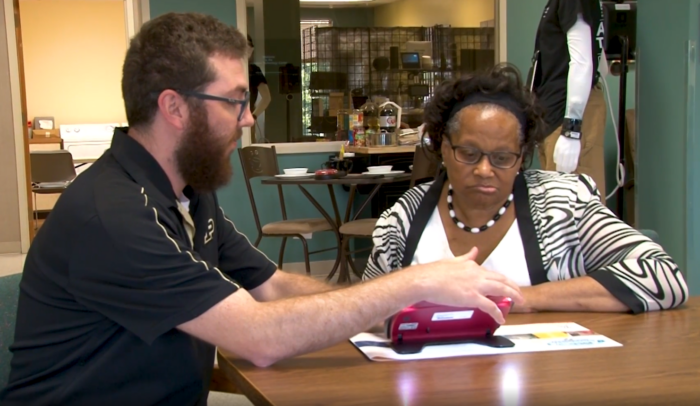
(390, 173)
(295, 175)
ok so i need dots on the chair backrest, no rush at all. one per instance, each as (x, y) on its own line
(651, 234)
(425, 167)
(9, 292)
(52, 166)
(259, 161)
(256, 162)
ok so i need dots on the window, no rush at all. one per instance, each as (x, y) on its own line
(457, 31)
(308, 65)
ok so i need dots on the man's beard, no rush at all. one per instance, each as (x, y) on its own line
(201, 157)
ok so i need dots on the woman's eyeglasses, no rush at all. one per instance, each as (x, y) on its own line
(472, 156)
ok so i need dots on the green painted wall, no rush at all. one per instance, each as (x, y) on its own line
(224, 10)
(693, 152)
(234, 197)
(668, 184)
(523, 18)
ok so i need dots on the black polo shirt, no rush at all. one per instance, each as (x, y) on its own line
(553, 73)
(108, 278)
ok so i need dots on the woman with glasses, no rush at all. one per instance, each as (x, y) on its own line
(547, 231)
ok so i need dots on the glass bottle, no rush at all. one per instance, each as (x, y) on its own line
(388, 116)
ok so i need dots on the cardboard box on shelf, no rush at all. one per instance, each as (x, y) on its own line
(335, 101)
(39, 133)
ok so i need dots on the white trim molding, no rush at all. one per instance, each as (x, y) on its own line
(136, 12)
(18, 125)
(501, 30)
(242, 25)
(131, 19)
(302, 147)
(145, 10)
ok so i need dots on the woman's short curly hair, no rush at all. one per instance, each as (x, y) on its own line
(503, 78)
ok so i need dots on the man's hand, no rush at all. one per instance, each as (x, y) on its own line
(566, 153)
(461, 282)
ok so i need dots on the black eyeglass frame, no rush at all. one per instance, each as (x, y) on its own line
(481, 155)
(204, 96)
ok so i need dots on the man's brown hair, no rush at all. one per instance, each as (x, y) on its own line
(172, 52)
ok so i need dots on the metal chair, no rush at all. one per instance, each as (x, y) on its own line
(9, 292)
(51, 172)
(262, 161)
(424, 169)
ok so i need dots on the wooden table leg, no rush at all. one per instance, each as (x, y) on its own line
(333, 223)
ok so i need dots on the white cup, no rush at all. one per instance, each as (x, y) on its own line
(379, 169)
(296, 171)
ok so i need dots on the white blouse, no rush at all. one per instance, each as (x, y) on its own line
(508, 258)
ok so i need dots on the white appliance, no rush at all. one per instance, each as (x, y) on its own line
(87, 142)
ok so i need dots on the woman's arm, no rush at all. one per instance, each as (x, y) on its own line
(384, 250)
(634, 270)
(582, 294)
(264, 99)
(390, 233)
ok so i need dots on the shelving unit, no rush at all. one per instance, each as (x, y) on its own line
(350, 57)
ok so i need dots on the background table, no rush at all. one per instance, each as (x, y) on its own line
(659, 364)
(399, 157)
(351, 180)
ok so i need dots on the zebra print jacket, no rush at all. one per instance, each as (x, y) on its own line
(567, 233)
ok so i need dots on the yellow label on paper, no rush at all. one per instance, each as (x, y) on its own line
(553, 334)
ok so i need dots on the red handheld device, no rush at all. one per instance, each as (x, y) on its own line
(427, 323)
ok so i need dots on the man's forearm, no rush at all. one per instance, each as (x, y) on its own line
(573, 295)
(297, 285)
(317, 321)
(282, 285)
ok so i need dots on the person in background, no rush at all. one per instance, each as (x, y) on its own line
(138, 274)
(258, 86)
(568, 53)
(547, 231)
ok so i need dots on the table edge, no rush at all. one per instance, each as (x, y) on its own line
(239, 379)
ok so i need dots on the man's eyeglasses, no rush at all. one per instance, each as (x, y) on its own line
(472, 156)
(234, 102)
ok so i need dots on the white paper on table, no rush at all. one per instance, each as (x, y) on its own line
(526, 337)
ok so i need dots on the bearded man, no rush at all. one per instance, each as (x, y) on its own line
(138, 275)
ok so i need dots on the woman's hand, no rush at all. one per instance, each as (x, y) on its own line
(524, 307)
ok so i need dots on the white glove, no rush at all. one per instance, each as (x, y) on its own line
(566, 153)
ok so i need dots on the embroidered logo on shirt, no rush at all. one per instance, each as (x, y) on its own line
(209, 235)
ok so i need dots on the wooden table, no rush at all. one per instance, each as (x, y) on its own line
(398, 149)
(400, 157)
(659, 364)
